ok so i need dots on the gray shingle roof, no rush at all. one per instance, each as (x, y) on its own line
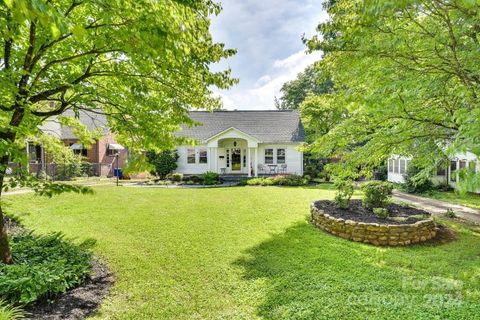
(267, 125)
(93, 121)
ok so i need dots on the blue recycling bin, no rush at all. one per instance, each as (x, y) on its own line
(117, 173)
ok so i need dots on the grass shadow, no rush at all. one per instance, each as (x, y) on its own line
(309, 274)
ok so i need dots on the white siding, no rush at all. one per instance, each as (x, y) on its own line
(293, 157)
(192, 168)
(468, 157)
(397, 168)
(396, 177)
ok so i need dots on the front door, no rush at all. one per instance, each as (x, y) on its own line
(236, 159)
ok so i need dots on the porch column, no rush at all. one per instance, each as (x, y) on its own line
(249, 163)
(255, 163)
(211, 159)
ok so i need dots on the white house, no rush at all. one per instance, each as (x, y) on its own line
(248, 143)
(398, 165)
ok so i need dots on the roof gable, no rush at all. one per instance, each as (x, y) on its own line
(232, 129)
(267, 126)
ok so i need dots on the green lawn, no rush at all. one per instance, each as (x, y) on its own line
(249, 252)
(470, 199)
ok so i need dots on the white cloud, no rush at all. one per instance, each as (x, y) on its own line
(227, 102)
(263, 79)
(262, 96)
(267, 35)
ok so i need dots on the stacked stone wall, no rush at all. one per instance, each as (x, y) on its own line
(374, 233)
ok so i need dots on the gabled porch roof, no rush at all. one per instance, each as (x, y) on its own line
(232, 133)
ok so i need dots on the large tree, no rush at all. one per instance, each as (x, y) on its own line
(408, 72)
(142, 63)
(294, 92)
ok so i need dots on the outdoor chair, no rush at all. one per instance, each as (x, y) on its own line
(262, 168)
(283, 168)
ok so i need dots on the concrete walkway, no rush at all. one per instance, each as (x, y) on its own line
(183, 186)
(22, 191)
(437, 207)
(14, 192)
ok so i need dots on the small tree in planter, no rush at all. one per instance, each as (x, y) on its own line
(376, 196)
(344, 193)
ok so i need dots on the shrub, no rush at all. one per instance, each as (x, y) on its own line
(66, 172)
(163, 162)
(177, 177)
(243, 182)
(381, 173)
(415, 183)
(279, 180)
(44, 266)
(87, 169)
(324, 176)
(376, 194)
(444, 186)
(8, 312)
(210, 178)
(344, 193)
(288, 180)
(450, 214)
(381, 212)
(195, 179)
(404, 204)
(260, 182)
(315, 167)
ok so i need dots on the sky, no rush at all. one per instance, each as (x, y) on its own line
(267, 35)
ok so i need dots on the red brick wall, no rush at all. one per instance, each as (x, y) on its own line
(97, 154)
(102, 151)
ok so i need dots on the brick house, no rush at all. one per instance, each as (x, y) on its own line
(101, 155)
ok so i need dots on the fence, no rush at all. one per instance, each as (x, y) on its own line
(63, 172)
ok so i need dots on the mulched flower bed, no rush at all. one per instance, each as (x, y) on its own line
(77, 303)
(356, 212)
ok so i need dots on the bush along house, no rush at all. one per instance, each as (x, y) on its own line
(99, 159)
(398, 166)
(243, 143)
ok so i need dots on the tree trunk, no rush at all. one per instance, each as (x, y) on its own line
(5, 253)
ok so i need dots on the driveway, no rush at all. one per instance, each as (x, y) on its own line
(438, 207)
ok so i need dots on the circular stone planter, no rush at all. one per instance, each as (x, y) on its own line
(379, 234)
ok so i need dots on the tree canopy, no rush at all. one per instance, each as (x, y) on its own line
(294, 92)
(142, 63)
(408, 74)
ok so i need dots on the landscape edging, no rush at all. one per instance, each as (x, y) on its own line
(374, 233)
